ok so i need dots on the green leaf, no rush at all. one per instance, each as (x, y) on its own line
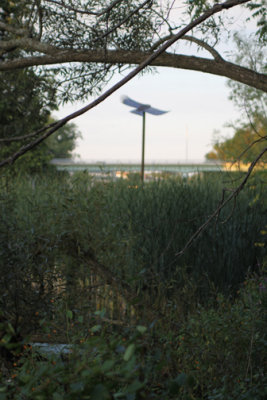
(96, 328)
(129, 352)
(100, 392)
(108, 365)
(141, 329)
(134, 386)
(11, 329)
(69, 314)
(57, 396)
(101, 313)
(25, 378)
(77, 387)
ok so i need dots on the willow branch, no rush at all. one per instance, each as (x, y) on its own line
(205, 46)
(125, 19)
(86, 12)
(192, 39)
(208, 13)
(11, 29)
(30, 135)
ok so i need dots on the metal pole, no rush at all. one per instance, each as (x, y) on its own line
(143, 148)
(186, 144)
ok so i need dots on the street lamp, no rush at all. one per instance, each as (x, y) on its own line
(142, 109)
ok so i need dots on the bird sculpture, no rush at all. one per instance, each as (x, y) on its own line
(140, 108)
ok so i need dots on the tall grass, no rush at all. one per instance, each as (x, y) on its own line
(163, 215)
(63, 234)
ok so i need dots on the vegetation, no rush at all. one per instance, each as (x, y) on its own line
(26, 102)
(189, 327)
(250, 137)
(97, 265)
(96, 40)
(78, 48)
(247, 143)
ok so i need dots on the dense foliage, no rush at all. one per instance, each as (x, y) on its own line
(247, 143)
(72, 245)
(67, 228)
(51, 28)
(217, 353)
(26, 102)
(76, 47)
(250, 137)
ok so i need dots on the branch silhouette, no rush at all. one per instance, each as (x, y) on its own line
(217, 8)
(234, 194)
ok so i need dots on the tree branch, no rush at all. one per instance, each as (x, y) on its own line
(55, 55)
(148, 61)
(12, 29)
(261, 139)
(234, 194)
(86, 12)
(192, 39)
(161, 41)
(215, 67)
(125, 19)
(205, 46)
(30, 135)
(27, 43)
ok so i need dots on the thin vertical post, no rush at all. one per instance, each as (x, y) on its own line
(143, 148)
(186, 143)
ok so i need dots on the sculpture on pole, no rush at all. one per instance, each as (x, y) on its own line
(142, 109)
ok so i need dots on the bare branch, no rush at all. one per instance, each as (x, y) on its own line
(192, 39)
(86, 12)
(234, 194)
(205, 46)
(251, 122)
(40, 18)
(30, 135)
(160, 41)
(125, 19)
(27, 43)
(12, 29)
(261, 139)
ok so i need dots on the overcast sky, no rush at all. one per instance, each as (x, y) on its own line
(198, 105)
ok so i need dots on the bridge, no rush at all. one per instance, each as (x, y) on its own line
(123, 169)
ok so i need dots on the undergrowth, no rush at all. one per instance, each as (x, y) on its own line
(189, 327)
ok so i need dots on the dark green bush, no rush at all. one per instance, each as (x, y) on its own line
(218, 352)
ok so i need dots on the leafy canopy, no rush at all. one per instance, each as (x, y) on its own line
(52, 27)
(248, 142)
(26, 101)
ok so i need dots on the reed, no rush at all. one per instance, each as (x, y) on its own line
(96, 244)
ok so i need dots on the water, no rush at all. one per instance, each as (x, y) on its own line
(117, 169)
(49, 348)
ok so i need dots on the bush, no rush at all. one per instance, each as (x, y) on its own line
(223, 347)
(218, 352)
